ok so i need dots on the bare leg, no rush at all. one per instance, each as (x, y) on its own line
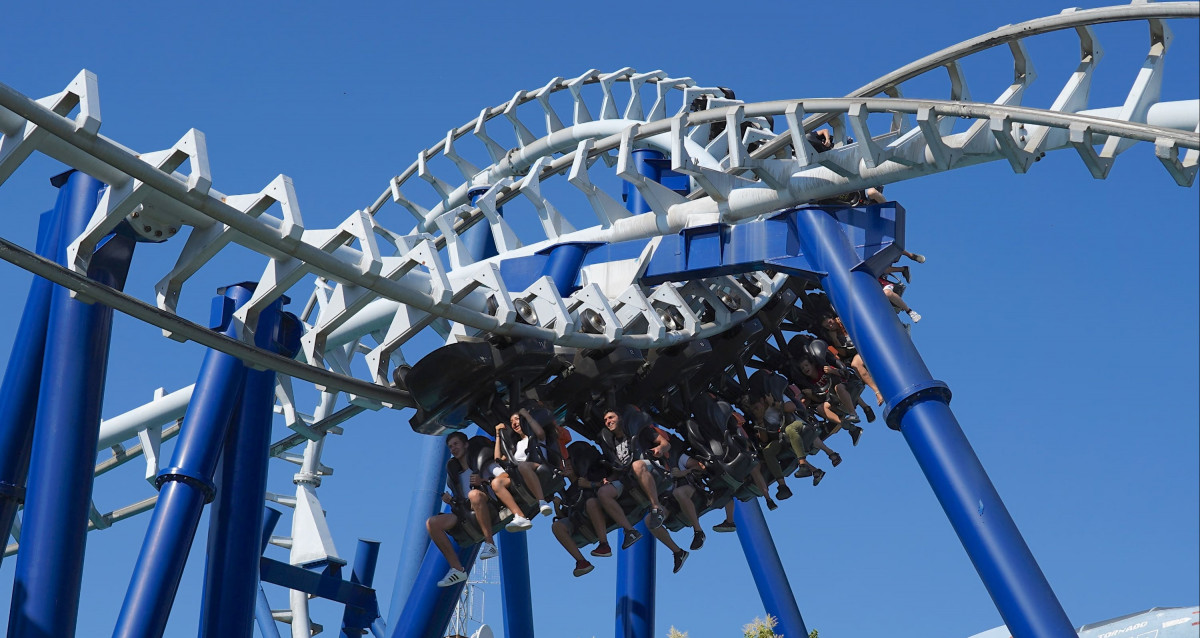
(728, 512)
(564, 538)
(483, 516)
(664, 537)
(438, 528)
(646, 480)
(896, 300)
(683, 495)
(500, 487)
(861, 368)
(607, 495)
(596, 516)
(530, 478)
(844, 398)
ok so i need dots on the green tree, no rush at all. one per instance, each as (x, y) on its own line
(761, 628)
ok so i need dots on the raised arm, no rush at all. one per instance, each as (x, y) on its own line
(535, 428)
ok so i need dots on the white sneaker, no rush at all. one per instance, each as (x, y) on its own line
(912, 314)
(518, 524)
(488, 550)
(920, 259)
(452, 577)
(547, 509)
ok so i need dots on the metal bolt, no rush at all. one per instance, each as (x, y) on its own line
(158, 233)
(146, 228)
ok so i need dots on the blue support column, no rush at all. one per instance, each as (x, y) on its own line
(262, 609)
(635, 587)
(366, 555)
(63, 455)
(22, 380)
(186, 485)
(478, 238)
(919, 407)
(635, 566)
(426, 501)
(563, 265)
(767, 569)
(429, 607)
(231, 569)
(514, 584)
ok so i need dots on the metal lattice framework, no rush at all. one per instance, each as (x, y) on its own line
(377, 286)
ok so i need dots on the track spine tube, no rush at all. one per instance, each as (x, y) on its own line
(767, 569)
(514, 584)
(919, 406)
(22, 380)
(231, 569)
(354, 621)
(63, 454)
(186, 485)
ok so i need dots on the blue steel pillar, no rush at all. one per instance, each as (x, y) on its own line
(355, 622)
(187, 484)
(919, 407)
(635, 566)
(262, 608)
(767, 569)
(635, 586)
(428, 607)
(231, 569)
(63, 455)
(426, 501)
(22, 379)
(514, 584)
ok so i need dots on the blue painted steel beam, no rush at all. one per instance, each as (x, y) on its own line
(428, 608)
(327, 583)
(635, 566)
(187, 484)
(876, 233)
(635, 587)
(22, 380)
(426, 501)
(919, 407)
(356, 621)
(262, 608)
(230, 572)
(63, 455)
(514, 584)
(766, 568)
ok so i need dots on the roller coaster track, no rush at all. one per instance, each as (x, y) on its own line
(376, 287)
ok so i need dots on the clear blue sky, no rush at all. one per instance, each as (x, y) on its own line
(1061, 310)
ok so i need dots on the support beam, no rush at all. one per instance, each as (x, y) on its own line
(635, 587)
(22, 381)
(63, 455)
(187, 485)
(230, 574)
(918, 406)
(769, 575)
(514, 584)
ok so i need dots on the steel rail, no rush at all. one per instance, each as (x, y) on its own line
(1003, 35)
(191, 331)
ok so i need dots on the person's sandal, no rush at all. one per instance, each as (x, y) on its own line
(836, 459)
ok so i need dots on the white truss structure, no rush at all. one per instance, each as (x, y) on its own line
(378, 285)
